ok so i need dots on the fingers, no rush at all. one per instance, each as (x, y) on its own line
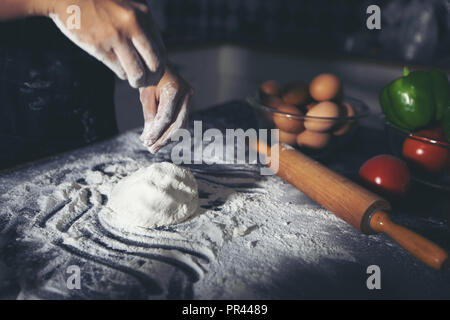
(110, 59)
(131, 63)
(180, 122)
(168, 102)
(128, 64)
(142, 59)
(165, 110)
(106, 56)
(141, 6)
(149, 106)
(148, 43)
(148, 52)
(149, 102)
(122, 35)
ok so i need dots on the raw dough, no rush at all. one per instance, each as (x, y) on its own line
(159, 195)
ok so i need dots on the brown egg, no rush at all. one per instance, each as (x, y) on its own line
(295, 93)
(287, 137)
(273, 102)
(310, 106)
(271, 88)
(286, 122)
(347, 125)
(326, 109)
(325, 86)
(313, 140)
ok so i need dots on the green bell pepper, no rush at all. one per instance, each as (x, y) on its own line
(416, 99)
(441, 91)
(446, 124)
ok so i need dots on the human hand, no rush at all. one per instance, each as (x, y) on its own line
(165, 109)
(119, 33)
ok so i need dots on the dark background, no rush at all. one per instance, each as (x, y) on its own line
(411, 30)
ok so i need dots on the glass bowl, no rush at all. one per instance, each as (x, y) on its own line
(425, 156)
(334, 132)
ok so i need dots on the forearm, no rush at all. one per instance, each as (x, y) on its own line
(14, 9)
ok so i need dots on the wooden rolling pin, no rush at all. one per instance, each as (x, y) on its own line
(359, 207)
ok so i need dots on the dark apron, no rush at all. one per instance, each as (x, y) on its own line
(53, 96)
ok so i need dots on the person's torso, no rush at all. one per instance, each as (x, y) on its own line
(52, 94)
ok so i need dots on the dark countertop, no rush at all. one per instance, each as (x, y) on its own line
(32, 255)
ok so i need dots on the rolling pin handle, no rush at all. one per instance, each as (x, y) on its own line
(418, 246)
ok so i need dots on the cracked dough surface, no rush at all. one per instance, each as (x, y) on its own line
(159, 195)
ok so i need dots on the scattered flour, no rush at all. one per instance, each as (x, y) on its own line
(242, 230)
(247, 232)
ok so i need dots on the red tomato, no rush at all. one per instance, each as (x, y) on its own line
(429, 153)
(386, 175)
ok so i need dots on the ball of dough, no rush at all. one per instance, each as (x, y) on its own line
(159, 195)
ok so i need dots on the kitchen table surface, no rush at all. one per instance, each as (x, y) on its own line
(255, 236)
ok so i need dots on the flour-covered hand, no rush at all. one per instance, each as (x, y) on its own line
(165, 109)
(119, 33)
